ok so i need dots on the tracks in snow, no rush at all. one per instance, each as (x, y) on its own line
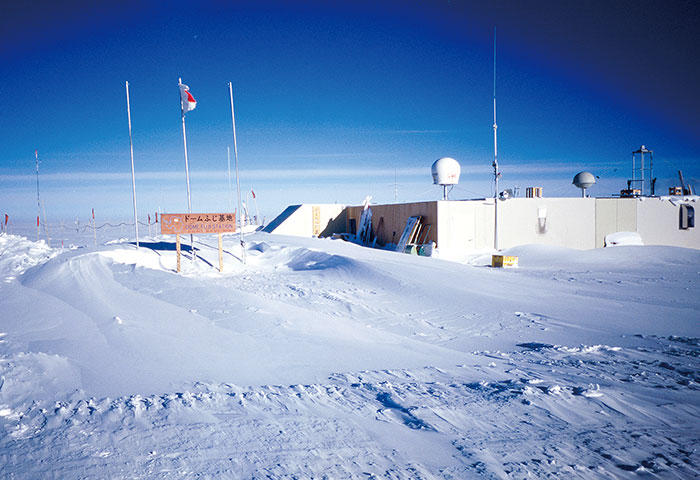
(545, 410)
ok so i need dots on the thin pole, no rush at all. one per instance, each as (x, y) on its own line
(187, 170)
(133, 176)
(238, 180)
(257, 212)
(230, 190)
(246, 205)
(652, 180)
(221, 255)
(187, 165)
(94, 232)
(396, 187)
(177, 248)
(38, 202)
(642, 169)
(496, 173)
(46, 226)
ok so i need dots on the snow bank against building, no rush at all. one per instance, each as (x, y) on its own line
(623, 238)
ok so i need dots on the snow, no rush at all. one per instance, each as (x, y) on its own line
(623, 238)
(323, 359)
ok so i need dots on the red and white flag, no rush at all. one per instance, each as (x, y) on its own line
(187, 101)
(251, 191)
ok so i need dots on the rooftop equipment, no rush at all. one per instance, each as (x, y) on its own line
(630, 192)
(446, 172)
(639, 179)
(584, 181)
(533, 192)
(686, 189)
(506, 194)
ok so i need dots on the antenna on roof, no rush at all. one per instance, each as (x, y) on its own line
(496, 173)
(446, 172)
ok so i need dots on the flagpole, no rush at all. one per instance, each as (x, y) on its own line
(38, 202)
(133, 176)
(238, 181)
(230, 195)
(257, 212)
(246, 207)
(187, 167)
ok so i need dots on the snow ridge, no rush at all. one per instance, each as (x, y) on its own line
(321, 359)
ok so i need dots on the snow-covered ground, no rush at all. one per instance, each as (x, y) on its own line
(323, 359)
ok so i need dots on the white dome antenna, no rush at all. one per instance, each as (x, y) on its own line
(446, 172)
(584, 181)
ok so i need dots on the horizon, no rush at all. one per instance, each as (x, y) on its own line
(335, 103)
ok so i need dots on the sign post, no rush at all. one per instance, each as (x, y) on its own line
(221, 256)
(190, 223)
(177, 247)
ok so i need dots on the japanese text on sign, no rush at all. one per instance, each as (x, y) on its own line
(180, 223)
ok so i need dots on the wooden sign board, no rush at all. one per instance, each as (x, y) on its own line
(316, 220)
(189, 223)
(182, 223)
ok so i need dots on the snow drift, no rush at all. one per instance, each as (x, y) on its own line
(321, 358)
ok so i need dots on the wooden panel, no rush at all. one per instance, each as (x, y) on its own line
(180, 223)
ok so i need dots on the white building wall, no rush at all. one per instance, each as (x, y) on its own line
(614, 215)
(301, 222)
(658, 223)
(565, 222)
(469, 225)
(464, 225)
(580, 223)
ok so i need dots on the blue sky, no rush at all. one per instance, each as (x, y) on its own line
(339, 100)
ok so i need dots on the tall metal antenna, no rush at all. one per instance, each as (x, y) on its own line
(38, 201)
(496, 173)
(396, 188)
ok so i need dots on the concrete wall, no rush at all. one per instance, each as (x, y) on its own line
(309, 220)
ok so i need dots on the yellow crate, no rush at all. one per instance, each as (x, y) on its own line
(504, 261)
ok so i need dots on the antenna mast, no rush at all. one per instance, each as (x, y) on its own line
(496, 173)
(396, 187)
(38, 202)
